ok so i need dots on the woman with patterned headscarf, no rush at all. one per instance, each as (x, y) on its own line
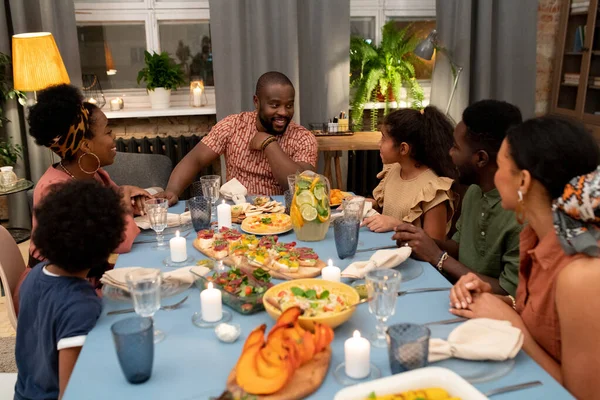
(78, 134)
(548, 174)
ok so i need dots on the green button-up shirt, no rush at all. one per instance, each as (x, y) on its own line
(488, 237)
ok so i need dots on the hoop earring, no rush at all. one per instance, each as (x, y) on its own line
(520, 209)
(83, 170)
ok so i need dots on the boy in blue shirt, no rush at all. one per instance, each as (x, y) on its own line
(79, 224)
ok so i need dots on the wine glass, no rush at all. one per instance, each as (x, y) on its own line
(156, 209)
(144, 286)
(210, 188)
(382, 288)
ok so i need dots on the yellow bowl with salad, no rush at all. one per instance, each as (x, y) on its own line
(322, 301)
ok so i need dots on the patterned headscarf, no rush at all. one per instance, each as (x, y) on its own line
(67, 145)
(577, 215)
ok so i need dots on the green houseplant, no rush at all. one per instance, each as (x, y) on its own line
(10, 153)
(383, 69)
(161, 75)
(6, 89)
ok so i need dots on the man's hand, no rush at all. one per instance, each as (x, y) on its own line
(133, 198)
(380, 223)
(258, 140)
(424, 247)
(170, 196)
(461, 294)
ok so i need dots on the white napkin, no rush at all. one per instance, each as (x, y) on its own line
(382, 259)
(116, 277)
(479, 339)
(154, 190)
(367, 211)
(143, 222)
(234, 190)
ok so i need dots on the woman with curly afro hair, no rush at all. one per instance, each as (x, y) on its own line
(78, 133)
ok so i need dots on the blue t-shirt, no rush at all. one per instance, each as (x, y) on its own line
(56, 312)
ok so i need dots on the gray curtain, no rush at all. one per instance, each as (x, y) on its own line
(308, 40)
(57, 17)
(495, 42)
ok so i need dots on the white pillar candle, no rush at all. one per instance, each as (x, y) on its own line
(210, 303)
(114, 105)
(331, 273)
(357, 356)
(224, 215)
(178, 248)
(197, 97)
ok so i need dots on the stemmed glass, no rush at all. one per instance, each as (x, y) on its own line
(382, 288)
(157, 210)
(211, 184)
(144, 286)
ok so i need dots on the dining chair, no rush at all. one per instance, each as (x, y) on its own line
(139, 169)
(11, 268)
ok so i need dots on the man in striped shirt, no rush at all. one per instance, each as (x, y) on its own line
(261, 147)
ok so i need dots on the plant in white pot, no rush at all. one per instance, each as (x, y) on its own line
(162, 75)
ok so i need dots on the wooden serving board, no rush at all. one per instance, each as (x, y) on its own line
(305, 381)
(303, 272)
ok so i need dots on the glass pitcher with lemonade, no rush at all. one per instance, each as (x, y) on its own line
(310, 207)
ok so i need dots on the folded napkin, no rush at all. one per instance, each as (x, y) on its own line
(143, 222)
(117, 277)
(154, 190)
(479, 339)
(367, 211)
(234, 190)
(382, 259)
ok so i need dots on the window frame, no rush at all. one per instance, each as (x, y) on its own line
(179, 15)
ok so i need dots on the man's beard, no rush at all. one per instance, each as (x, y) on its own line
(268, 125)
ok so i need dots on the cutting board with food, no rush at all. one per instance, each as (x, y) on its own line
(260, 205)
(291, 364)
(281, 260)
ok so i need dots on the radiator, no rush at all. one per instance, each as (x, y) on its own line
(363, 167)
(173, 147)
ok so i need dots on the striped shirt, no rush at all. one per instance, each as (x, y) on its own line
(231, 137)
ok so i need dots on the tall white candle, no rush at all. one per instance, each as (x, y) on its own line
(178, 248)
(197, 97)
(210, 303)
(331, 272)
(357, 356)
(224, 215)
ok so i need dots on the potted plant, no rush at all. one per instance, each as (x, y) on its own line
(6, 89)
(383, 70)
(10, 153)
(162, 75)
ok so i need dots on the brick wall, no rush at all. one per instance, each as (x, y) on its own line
(547, 30)
(163, 126)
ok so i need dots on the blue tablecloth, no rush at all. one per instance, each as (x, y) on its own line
(192, 364)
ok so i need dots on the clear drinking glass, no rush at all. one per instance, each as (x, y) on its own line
(144, 287)
(353, 207)
(157, 210)
(211, 184)
(292, 182)
(382, 289)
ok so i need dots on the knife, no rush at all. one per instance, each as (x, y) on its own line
(439, 289)
(376, 248)
(446, 321)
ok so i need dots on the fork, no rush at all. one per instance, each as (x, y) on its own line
(166, 308)
(512, 388)
(154, 240)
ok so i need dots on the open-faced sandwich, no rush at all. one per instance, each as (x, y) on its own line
(206, 238)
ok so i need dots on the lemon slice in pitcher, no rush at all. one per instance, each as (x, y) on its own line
(309, 213)
(306, 197)
(319, 192)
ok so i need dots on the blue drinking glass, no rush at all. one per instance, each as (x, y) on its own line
(200, 211)
(408, 347)
(345, 232)
(134, 342)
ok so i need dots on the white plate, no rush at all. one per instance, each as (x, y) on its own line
(413, 380)
(266, 234)
(169, 287)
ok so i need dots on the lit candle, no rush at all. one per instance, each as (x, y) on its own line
(210, 302)
(357, 356)
(331, 272)
(197, 97)
(92, 100)
(114, 105)
(178, 248)
(224, 215)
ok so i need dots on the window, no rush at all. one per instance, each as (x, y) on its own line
(113, 36)
(365, 27)
(420, 28)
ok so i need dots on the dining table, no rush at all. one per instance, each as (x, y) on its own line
(191, 363)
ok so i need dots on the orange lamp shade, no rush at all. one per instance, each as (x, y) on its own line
(37, 63)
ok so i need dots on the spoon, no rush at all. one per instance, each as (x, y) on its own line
(167, 308)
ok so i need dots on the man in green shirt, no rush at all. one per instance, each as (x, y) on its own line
(487, 238)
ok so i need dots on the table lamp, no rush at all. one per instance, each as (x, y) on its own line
(37, 63)
(425, 50)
